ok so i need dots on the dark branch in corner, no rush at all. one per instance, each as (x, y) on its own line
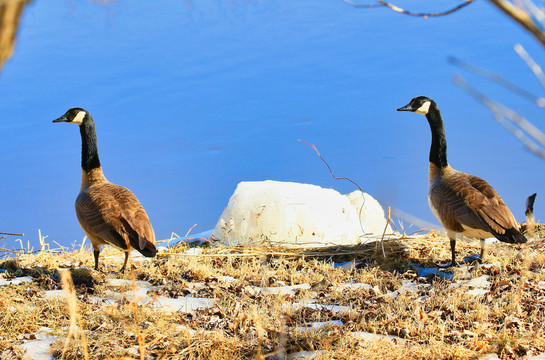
(521, 17)
(382, 3)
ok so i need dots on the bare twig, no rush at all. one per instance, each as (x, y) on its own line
(385, 228)
(11, 234)
(382, 3)
(536, 69)
(329, 168)
(340, 178)
(506, 117)
(188, 231)
(363, 5)
(536, 12)
(500, 80)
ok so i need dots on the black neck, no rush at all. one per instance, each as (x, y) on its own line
(89, 150)
(438, 149)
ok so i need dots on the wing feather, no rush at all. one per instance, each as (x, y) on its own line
(113, 214)
(464, 200)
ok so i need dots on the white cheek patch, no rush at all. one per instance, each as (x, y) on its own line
(79, 118)
(424, 108)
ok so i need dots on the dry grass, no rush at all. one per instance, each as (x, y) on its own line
(438, 322)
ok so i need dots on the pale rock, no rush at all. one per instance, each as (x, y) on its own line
(297, 215)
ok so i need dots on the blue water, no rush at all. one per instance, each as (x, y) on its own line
(191, 98)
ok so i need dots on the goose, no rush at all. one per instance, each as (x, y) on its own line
(109, 214)
(463, 203)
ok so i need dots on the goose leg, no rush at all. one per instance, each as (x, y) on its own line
(125, 262)
(453, 253)
(481, 258)
(96, 253)
(452, 237)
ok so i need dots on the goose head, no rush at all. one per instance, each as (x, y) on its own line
(419, 104)
(74, 115)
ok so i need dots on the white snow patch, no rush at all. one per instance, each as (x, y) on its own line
(327, 307)
(407, 286)
(54, 294)
(125, 282)
(308, 355)
(40, 348)
(478, 292)
(298, 215)
(15, 281)
(368, 336)
(354, 286)
(317, 325)
(187, 304)
(479, 282)
(282, 290)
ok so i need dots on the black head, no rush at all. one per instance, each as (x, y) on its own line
(420, 104)
(74, 115)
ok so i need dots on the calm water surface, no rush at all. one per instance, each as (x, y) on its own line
(191, 98)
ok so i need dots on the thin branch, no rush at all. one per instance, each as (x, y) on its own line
(395, 8)
(425, 15)
(498, 79)
(503, 114)
(535, 11)
(329, 168)
(11, 234)
(340, 178)
(534, 67)
(364, 5)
